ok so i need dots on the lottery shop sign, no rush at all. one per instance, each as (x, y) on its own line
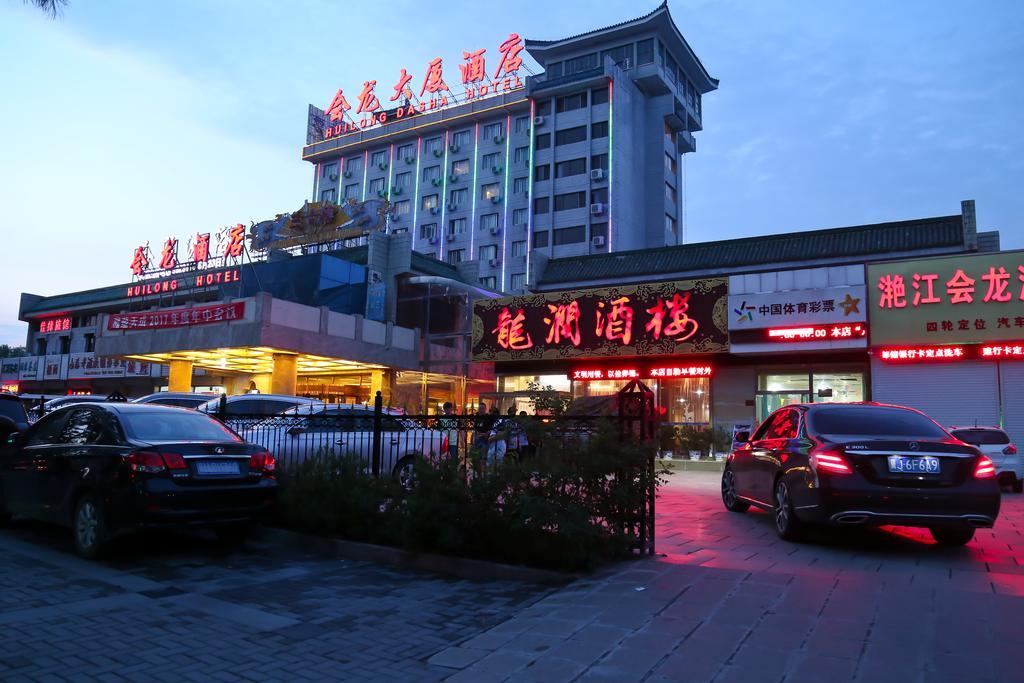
(957, 299)
(176, 317)
(664, 318)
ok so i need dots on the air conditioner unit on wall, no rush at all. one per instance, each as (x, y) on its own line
(493, 262)
(495, 230)
(538, 120)
(596, 209)
(597, 241)
(597, 174)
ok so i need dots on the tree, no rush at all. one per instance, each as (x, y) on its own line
(545, 400)
(51, 7)
(8, 351)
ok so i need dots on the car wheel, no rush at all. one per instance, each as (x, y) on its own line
(729, 496)
(952, 535)
(89, 527)
(405, 473)
(234, 534)
(787, 525)
(1018, 485)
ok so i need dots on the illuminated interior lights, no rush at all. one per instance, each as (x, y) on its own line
(529, 192)
(256, 360)
(505, 190)
(472, 209)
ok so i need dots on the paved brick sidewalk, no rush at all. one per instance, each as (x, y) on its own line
(730, 602)
(180, 609)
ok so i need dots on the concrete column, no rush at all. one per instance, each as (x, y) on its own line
(285, 374)
(382, 381)
(180, 376)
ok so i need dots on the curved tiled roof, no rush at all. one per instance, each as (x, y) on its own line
(542, 43)
(790, 248)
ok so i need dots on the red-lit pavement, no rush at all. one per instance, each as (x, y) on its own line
(729, 601)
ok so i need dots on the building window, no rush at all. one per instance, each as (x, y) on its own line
(428, 231)
(573, 235)
(670, 225)
(520, 216)
(432, 145)
(570, 200)
(327, 196)
(492, 161)
(518, 282)
(327, 170)
(493, 131)
(542, 172)
(489, 282)
(598, 96)
(429, 202)
(90, 342)
(578, 64)
(488, 252)
(352, 191)
(520, 186)
(457, 198)
(460, 139)
(670, 193)
(599, 195)
(599, 230)
(622, 55)
(65, 345)
(543, 141)
(379, 159)
(540, 239)
(457, 226)
(521, 155)
(599, 161)
(377, 186)
(522, 124)
(670, 163)
(541, 204)
(543, 108)
(599, 129)
(554, 70)
(519, 248)
(41, 347)
(460, 168)
(354, 165)
(490, 191)
(405, 152)
(399, 231)
(571, 135)
(403, 179)
(455, 256)
(645, 51)
(570, 102)
(402, 208)
(564, 169)
(488, 221)
(431, 173)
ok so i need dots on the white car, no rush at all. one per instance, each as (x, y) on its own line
(316, 431)
(994, 442)
(248, 405)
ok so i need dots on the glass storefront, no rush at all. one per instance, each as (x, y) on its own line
(514, 391)
(686, 400)
(778, 389)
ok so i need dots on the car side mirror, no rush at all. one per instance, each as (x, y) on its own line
(741, 437)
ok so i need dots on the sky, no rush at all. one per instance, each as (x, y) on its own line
(125, 122)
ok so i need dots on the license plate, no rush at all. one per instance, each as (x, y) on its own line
(221, 467)
(913, 465)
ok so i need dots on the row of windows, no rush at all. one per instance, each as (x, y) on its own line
(567, 136)
(571, 235)
(570, 200)
(64, 344)
(572, 102)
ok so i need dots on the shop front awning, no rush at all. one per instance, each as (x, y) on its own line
(257, 360)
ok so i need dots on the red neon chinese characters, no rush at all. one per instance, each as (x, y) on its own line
(367, 99)
(1003, 351)
(473, 71)
(928, 281)
(998, 285)
(894, 292)
(617, 323)
(236, 241)
(924, 353)
(434, 81)
(402, 88)
(680, 327)
(564, 323)
(510, 59)
(1020, 276)
(169, 255)
(201, 247)
(338, 106)
(960, 288)
(140, 261)
(511, 331)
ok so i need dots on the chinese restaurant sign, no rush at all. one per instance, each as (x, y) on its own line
(176, 317)
(664, 318)
(203, 250)
(959, 299)
(476, 78)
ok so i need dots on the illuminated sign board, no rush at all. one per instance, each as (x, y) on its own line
(958, 299)
(816, 332)
(228, 246)
(10, 387)
(793, 307)
(202, 279)
(636, 372)
(663, 318)
(1013, 350)
(177, 317)
(59, 324)
(476, 78)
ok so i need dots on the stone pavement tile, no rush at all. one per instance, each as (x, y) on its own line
(602, 673)
(550, 669)
(489, 640)
(965, 666)
(771, 662)
(456, 657)
(533, 643)
(781, 631)
(558, 627)
(818, 668)
(497, 666)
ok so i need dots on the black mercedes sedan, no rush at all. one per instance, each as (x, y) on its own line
(106, 469)
(861, 464)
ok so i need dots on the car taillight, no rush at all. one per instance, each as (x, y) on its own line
(985, 469)
(146, 461)
(262, 462)
(1010, 450)
(830, 461)
(174, 461)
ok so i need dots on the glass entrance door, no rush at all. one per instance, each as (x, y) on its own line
(767, 402)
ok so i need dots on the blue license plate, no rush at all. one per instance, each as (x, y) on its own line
(913, 464)
(216, 467)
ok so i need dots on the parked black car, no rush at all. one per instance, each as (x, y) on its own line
(861, 464)
(13, 416)
(107, 469)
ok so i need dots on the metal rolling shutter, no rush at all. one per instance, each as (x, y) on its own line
(951, 394)
(1012, 378)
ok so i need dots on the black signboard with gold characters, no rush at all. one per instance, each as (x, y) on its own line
(662, 318)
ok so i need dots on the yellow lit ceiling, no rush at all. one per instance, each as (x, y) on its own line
(257, 360)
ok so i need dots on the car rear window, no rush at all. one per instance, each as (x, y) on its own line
(872, 421)
(175, 426)
(982, 437)
(13, 410)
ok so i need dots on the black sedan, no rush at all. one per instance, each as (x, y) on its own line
(107, 469)
(861, 464)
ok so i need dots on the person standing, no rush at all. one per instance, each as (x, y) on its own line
(449, 427)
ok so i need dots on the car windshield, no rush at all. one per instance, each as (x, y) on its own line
(13, 410)
(870, 421)
(173, 425)
(982, 437)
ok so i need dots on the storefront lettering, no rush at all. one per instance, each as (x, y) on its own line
(1012, 350)
(653, 372)
(564, 323)
(680, 327)
(176, 317)
(511, 331)
(230, 241)
(817, 332)
(204, 279)
(617, 323)
(169, 255)
(961, 288)
(54, 324)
